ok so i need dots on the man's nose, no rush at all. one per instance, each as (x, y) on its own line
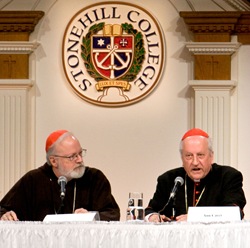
(195, 159)
(79, 158)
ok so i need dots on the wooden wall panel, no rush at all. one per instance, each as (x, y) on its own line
(212, 67)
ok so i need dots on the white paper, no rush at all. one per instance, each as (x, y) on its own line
(89, 216)
(213, 214)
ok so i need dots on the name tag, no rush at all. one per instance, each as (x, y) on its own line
(89, 216)
(213, 214)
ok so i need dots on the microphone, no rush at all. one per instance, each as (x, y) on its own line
(62, 181)
(177, 182)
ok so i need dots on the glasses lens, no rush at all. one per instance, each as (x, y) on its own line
(83, 152)
(75, 156)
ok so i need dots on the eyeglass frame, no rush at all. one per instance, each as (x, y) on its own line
(73, 156)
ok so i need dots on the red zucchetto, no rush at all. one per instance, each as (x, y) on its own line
(195, 132)
(53, 137)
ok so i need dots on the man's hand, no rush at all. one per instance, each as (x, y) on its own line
(162, 218)
(158, 218)
(182, 217)
(11, 215)
(81, 211)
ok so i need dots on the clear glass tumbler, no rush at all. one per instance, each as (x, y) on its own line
(135, 210)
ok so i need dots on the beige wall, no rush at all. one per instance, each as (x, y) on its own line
(244, 121)
(132, 145)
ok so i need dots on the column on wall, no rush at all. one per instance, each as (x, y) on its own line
(213, 98)
(15, 101)
(212, 113)
(212, 49)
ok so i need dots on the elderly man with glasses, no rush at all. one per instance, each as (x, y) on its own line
(38, 193)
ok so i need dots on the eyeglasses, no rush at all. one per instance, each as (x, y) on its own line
(74, 156)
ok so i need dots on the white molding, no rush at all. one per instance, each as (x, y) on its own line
(216, 84)
(16, 83)
(218, 48)
(18, 47)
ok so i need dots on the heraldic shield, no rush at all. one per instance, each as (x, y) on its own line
(112, 52)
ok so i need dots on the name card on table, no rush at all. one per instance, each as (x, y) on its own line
(89, 216)
(213, 214)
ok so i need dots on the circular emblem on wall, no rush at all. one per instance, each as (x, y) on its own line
(113, 53)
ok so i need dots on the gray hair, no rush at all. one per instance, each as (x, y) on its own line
(52, 149)
(210, 145)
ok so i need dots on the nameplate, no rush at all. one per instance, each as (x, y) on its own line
(213, 214)
(89, 216)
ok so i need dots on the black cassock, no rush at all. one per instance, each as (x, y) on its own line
(37, 194)
(221, 187)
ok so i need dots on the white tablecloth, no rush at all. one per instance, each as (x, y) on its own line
(124, 234)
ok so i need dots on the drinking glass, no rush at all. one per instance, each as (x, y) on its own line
(135, 210)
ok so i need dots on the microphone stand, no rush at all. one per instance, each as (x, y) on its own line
(173, 210)
(171, 202)
(60, 209)
(171, 199)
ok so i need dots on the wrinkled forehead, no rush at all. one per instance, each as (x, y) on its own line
(195, 143)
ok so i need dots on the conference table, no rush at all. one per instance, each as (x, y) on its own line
(99, 234)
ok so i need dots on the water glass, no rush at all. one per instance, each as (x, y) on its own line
(135, 210)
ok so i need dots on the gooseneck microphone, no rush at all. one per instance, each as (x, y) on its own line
(177, 183)
(62, 181)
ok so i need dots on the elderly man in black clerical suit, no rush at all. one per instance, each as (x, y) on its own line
(203, 182)
(38, 192)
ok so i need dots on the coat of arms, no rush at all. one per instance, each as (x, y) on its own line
(113, 58)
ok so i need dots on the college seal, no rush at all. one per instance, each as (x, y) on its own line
(113, 53)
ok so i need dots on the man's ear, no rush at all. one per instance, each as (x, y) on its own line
(212, 155)
(53, 162)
